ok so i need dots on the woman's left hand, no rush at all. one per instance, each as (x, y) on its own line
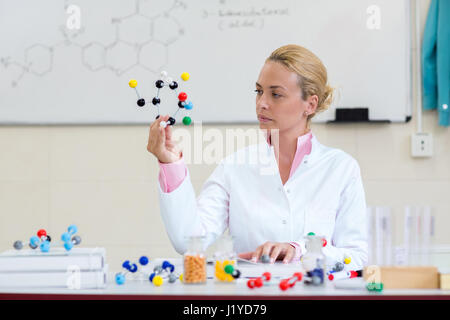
(275, 250)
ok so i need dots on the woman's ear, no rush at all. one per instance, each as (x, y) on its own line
(313, 102)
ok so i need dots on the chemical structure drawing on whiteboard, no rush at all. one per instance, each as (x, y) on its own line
(142, 39)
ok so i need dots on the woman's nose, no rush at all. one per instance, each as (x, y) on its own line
(261, 103)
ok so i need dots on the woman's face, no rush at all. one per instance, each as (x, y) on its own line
(279, 103)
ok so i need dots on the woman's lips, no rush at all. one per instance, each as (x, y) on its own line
(263, 119)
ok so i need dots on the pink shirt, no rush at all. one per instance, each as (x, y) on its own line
(171, 175)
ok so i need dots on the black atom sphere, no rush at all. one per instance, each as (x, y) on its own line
(159, 84)
(141, 102)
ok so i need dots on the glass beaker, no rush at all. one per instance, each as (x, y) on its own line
(225, 266)
(194, 261)
(313, 261)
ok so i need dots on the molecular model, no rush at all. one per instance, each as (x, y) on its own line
(290, 282)
(165, 81)
(226, 271)
(42, 240)
(70, 238)
(259, 281)
(160, 272)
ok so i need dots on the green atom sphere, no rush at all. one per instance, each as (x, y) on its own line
(187, 121)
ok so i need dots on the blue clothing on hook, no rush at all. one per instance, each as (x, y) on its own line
(436, 60)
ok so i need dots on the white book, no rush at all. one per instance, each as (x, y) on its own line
(70, 279)
(57, 259)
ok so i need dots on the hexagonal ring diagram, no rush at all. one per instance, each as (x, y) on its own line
(94, 56)
(153, 56)
(39, 59)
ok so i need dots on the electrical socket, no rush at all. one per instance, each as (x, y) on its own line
(422, 145)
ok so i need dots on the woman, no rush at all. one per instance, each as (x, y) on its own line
(314, 189)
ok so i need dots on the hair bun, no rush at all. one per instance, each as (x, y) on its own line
(327, 99)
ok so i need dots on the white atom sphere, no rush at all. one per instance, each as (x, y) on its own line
(163, 124)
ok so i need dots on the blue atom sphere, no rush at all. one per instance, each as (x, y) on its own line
(188, 106)
(120, 278)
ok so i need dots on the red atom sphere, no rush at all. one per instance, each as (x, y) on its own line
(324, 242)
(284, 284)
(267, 276)
(299, 276)
(182, 96)
(41, 232)
(251, 283)
(259, 282)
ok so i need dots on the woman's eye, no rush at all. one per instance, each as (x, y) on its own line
(276, 95)
(258, 91)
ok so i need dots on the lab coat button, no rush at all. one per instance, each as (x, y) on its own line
(283, 221)
(288, 190)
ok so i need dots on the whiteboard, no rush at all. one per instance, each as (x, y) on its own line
(54, 73)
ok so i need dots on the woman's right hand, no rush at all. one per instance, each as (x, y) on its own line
(160, 142)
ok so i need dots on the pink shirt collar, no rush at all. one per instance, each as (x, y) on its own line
(304, 147)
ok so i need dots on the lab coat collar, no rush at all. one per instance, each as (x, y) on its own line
(316, 147)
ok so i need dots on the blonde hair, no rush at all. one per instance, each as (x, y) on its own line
(312, 74)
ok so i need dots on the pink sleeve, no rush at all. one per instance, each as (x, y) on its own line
(298, 251)
(171, 175)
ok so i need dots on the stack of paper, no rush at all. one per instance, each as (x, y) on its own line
(80, 268)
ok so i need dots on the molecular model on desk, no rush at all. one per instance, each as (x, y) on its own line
(42, 240)
(160, 272)
(165, 81)
(313, 265)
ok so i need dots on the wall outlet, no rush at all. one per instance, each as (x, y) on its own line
(422, 145)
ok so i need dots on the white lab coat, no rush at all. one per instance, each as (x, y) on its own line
(245, 193)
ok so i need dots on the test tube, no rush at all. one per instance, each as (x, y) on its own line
(426, 234)
(387, 232)
(370, 236)
(383, 236)
(412, 234)
(407, 223)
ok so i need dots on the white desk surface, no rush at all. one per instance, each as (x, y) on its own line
(212, 288)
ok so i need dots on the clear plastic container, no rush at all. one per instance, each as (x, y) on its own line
(225, 266)
(194, 261)
(313, 261)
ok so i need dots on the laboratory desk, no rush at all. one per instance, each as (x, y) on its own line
(212, 290)
(142, 289)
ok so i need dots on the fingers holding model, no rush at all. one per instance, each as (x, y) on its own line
(160, 142)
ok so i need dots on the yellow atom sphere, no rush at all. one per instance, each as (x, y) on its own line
(220, 276)
(132, 83)
(347, 260)
(158, 280)
(229, 277)
(185, 76)
(181, 277)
